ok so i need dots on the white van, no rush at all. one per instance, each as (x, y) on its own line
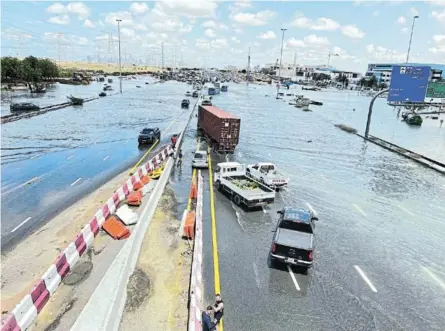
(200, 160)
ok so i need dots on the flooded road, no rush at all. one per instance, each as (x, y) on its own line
(380, 253)
(52, 160)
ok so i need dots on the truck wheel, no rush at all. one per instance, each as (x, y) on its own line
(218, 185)
(237, 199)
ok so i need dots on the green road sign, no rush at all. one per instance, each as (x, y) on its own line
(435, 90)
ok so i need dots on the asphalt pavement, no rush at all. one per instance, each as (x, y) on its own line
(379, 257)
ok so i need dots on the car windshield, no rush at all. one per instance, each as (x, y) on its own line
(147, 131)
(199, 156)
(296, 226)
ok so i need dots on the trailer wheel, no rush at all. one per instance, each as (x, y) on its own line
(237, 199)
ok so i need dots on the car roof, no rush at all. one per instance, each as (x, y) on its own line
(297, 214)
(201, 152)
(229, 164)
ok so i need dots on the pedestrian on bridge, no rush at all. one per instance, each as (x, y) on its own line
(218, 309)
(207, 324)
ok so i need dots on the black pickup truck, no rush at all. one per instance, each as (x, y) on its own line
(293, 241)
(149, 136)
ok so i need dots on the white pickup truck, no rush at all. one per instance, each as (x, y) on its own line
(267, 174)
(230, 178)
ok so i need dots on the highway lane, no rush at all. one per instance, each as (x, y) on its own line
(379, 261)
(36, 189)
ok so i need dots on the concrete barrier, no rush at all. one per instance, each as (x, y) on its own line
(196, 288)
(21, 317)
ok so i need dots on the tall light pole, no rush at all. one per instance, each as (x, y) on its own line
(248, 66)
(329, 57)
(162, 57)
(281, 60)
(120, 61)
(411, 38)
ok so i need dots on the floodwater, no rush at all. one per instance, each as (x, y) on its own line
(52, 160)
(380, 253)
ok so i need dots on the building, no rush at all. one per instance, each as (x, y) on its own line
(383, 71)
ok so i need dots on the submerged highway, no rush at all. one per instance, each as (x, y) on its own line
(53, 160)
(379, 256)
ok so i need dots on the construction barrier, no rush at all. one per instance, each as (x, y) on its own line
(196, 288)
(189, 225)
(134, 198)
(116, 229)
(126, 215)
(24, 313)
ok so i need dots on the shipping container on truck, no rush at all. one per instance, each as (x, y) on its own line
(221, 128)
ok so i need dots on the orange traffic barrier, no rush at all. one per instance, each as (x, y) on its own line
(193, 190)
(137, 186)
(145, 180)
(134, 198)
(189, 226)
(116, 229)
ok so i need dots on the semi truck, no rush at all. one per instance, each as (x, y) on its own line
(220, 128)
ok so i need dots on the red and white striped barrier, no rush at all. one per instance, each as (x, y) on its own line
(24, 313)
(196, 289)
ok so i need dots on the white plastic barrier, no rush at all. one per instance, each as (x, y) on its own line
(25, 312)
(126, 215)
(52, 279)
(72, 255)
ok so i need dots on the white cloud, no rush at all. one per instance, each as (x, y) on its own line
(439, 47)
(242, 3)
(125, 16)
(192, 9)
(15, 34)
(413, 11)
(294, 43)
(88, 24)
(79, 9)
(236, 40)
(138, 7)
(439, 39)
(352, 32)
(438, 2)
(56, 8)
(171, 25)
(223, 27)
(185, 29)
(209, 24)
(238, 31)
(211, 44)
(254, 19)
(140, 27)
(268, 35)
(62, 19)
(69, 39)
(320, 24)
(210, 33)
(439, 16)
(316, 41)
(128, 32)
(379, 53)
(401, 20)
(405, 30)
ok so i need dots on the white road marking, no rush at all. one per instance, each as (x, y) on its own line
(33, 157)
(70, 157)
(310, 208)
(359, 209)
(77, 180)
(20, 224)
(126, 142)
(21, 185)
(365, 278)
(293, 277)
(434, 277)
(405, 210)
(257, 277)
(106, 158)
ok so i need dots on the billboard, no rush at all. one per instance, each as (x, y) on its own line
(435, 93)
(408, 83)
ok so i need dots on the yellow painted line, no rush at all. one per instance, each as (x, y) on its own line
(152, 146)
(214, 238)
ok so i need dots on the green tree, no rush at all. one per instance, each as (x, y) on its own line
(10, 68)
(372, 82)
(48, 68)
(362, 81)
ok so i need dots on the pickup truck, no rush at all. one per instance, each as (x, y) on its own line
(293, 241)
(230, 177)
(267, 174)
(149, 136)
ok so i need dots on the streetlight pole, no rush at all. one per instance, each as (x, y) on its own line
(281, 59)
(162, 51)
(120, 61)
(411, 38)
(248, 66)
(329, 57)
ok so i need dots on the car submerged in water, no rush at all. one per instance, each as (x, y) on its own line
(200, 160)
(149, 136)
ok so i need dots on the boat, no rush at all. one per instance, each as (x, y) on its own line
(414, 119)
(138, 86)
(38, 88)
(317, 103)
(107, 88)
(23, 106)
(195, 94)
(110, 80)
(75, 101)
(311, 88)
(188, 94)
(224, 88)
(102, 94)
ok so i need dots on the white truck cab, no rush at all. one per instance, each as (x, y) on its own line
(267, 173)
(228, 169)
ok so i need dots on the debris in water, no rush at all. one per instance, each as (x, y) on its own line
(346, 128)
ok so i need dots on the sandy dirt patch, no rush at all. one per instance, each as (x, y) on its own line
(25, 264)
(157, 292)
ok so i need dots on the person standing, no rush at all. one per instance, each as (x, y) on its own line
(207, 324)
(179, 163)
(218, 309)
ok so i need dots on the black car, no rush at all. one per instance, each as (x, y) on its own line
(149, 136)
(185, 103)
(293, 241)
(195, 94)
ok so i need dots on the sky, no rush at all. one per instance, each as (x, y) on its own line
(219, 34)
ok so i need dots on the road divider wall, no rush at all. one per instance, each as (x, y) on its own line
(24, 313)
(196, 288)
